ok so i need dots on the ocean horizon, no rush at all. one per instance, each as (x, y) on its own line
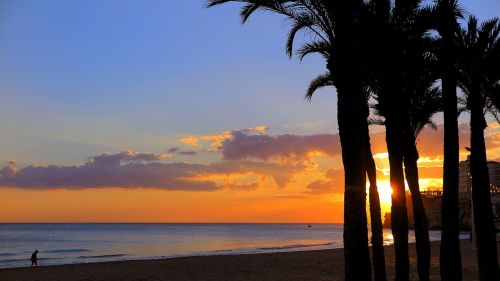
(70, 243)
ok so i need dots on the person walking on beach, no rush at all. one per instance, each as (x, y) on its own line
(34, 258)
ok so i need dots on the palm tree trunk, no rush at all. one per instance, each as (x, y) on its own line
(450, 260)
(419, 215)
(351, 127)
(399, 216)
(376, 219)
(481, 196)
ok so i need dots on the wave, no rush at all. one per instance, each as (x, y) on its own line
(62, 251)
(12, 260)
(7, 254)
(27, 259)
(64, 258)
(103, 256)
(295, 246)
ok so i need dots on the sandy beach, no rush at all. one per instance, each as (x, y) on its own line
(307, 265)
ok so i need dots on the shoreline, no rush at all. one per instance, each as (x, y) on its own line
(298, 265)
(121, 242)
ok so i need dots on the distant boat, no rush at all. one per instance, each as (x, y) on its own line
(309, 225)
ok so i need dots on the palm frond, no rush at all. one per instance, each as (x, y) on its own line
(377, 121)
(320, 47)
(298, 25)
(321, 81)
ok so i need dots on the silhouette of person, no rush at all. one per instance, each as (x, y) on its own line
(34, 258)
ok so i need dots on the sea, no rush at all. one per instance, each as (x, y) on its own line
(69, 243)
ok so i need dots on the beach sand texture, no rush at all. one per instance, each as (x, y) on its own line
(319, 265)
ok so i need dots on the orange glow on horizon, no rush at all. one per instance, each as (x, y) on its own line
(283, 189)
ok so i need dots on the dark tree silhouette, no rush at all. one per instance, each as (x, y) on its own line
(425, 102)
(479, 61)
(346, 66)
(399, 60)
(375, 217)
(447, 13)
(338, 30)
(377, 238)
(382, 49)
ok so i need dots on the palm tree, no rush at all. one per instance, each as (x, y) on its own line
(479, 61)
(376, 221)
(447, 13)
(399, 49)
(337, 28)
(424, 104)
(424, 101)
(346, 66)
(377, 239)
(408, 39)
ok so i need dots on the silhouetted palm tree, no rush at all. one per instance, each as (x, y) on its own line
(377, 238)
(447, 14)
(399, 44)
(479, 63)
(401, 32)
(338, 29)
(346, 64)
(425, 102)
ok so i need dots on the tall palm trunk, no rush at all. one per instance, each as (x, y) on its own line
(376, 218)
(352, 125)
(449, 260)
(483, 214)
(419, 215)
(399, 216)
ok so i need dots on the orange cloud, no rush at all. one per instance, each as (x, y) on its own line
(332, 182)
(215, 140)
(430, 142)
(191, 141)
(269, 160)
(259, 177)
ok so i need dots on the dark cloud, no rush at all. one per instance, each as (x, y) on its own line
(140, 170)
(176, 150)
(244, 152)
(324, 186)
(189, 152)
(127, 157)
(264, 147)
(244, 144)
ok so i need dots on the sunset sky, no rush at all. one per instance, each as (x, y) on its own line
(164, 111)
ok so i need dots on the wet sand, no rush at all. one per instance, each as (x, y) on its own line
(308, 265)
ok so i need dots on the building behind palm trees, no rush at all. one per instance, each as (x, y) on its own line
(465, 179)
(465, 187)
(432, 206)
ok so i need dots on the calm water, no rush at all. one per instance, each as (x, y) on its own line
(81, 243)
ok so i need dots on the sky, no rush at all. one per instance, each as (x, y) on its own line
(164, 111)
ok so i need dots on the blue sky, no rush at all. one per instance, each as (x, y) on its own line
(81, 77)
